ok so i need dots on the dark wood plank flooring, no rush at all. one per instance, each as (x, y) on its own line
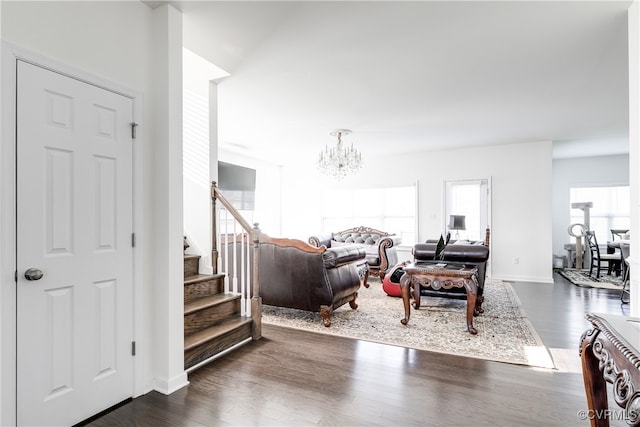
(295, 378)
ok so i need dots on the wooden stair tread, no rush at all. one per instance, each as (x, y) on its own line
(195, 278)
(212, 319)
(208, 301)
(204, 335)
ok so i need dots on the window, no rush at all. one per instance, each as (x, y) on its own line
(611, 209)
(390, 209)
(469, 198)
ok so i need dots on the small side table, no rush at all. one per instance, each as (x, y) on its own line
(437, 277)
(610, 353)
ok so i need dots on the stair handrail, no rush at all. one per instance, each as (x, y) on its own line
(253, 234)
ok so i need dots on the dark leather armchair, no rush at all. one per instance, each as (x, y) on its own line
(467, 253)
(380, 246)
(297, 275)
(474, 254)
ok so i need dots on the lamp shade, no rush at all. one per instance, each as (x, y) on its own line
(456, 222)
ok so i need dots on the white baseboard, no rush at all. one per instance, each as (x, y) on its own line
(169, 386)
(533, 279)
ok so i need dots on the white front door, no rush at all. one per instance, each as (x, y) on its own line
(74, 225)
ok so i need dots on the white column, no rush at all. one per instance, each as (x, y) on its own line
(165, 141)
(213, 153)
(213, 130)
(7, 250)
(634, 152)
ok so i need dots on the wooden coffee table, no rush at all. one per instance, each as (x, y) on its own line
(439, 276)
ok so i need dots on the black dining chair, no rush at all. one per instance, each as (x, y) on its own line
(597, 258)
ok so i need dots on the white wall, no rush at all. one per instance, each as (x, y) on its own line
(200, 134)
(634, 151)
(197, 181)
(521, 202)
(586, 171)
(109, 39)
(133, 46)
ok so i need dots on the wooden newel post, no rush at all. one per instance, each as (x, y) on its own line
(214, 230)
(256, 298)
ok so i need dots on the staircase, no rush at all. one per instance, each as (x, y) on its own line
(212, 320)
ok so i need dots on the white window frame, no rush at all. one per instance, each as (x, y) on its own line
(328, 217)
(577, 216)
(449, 208)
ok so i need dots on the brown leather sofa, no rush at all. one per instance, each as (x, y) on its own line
(297, 275)
(380, 246)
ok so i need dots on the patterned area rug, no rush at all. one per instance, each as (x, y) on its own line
(580, 278)
(504, 332)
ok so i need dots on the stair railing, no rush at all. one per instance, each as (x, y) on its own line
(235, 253)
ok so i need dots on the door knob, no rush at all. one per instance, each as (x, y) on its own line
(33, 274)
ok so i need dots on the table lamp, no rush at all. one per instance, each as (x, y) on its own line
(456, 222)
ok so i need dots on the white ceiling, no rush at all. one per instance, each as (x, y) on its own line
(417, 75)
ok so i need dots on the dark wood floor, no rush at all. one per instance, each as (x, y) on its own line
(295, 378)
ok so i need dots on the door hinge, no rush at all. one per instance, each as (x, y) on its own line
(134, 125)
(133, 348)
(15, 276)
(133, 240)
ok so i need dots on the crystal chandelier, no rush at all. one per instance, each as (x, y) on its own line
(339, 161)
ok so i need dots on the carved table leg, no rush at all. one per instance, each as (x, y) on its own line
(416, 296)
(471, 286)
(594, 383)
(405, 284)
